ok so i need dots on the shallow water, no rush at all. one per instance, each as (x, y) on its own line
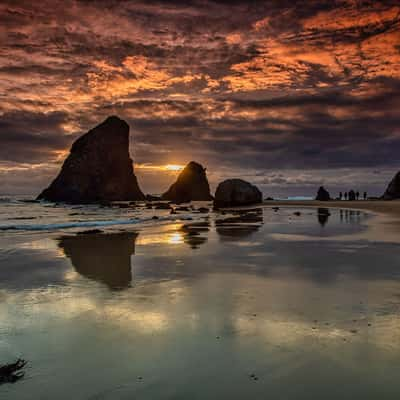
(280, 306)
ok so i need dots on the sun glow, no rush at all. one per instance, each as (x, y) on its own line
(173, 167)
(167, 167)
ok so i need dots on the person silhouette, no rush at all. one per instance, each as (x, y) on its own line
(365, 195)
(340, 195)
(357, 195)
(345, 195)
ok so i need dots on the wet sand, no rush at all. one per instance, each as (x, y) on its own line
(376, 206)
(297, 303)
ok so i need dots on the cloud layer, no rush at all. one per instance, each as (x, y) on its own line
(286, 93)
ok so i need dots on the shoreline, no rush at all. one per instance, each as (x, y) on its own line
(383, 227)
(386, 207)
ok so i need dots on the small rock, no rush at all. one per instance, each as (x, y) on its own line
(89, 232)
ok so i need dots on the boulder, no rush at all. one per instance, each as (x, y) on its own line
(323, 194)
(236, 192)
(98, 168)
(393, 190)
(192, 184)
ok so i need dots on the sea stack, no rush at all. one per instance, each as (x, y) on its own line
(98, 168)
(191, 185)
(393, 190)
(323, 194)
(236, 192)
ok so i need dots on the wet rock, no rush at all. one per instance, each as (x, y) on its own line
(250, 217)
(162, 206)
(203, 210)
(90, 232)
(254, 377)
(191, 185)
(297, 213)
(182, 208)
(236, 192)
(11, 373)
(122, 205)
(98, 168)
(150, 197)
(323, 194)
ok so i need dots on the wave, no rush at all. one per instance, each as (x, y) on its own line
(96, 223)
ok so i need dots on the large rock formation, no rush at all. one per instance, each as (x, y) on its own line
(323, 194)
(393, 190)
(192, 184)
(236, 192)
(98, 168)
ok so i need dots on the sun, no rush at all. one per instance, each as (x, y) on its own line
(173, 167)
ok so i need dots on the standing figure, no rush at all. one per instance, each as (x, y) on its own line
(357, 195)
(365, 195)
(340, 195)
(345, 195)
(352, 195)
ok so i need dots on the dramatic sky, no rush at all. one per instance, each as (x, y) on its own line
(286, 94)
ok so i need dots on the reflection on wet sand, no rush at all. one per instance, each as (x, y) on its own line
(239, 226)
(177, 234)
(323, 216)
(105, 258)
(192, 233)
(274, 310)
(351, 216)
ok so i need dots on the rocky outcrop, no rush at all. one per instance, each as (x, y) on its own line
(323, 194)
(393, 190)
(98, 168)
(236, 192)
(192, 184)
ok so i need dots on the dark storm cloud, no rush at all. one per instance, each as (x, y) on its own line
(31, 137)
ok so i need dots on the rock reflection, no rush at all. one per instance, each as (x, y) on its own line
(105, 258)
(192, 233)
(239, 226)
(323, 216)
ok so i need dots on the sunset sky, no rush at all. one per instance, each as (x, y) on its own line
(286, 94)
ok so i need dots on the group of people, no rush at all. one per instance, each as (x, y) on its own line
(352, 195)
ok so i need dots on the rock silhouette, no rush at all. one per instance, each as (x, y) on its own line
(393, 190)
(192, 184)
(236, 192)
(323, 194)
(98, 168)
